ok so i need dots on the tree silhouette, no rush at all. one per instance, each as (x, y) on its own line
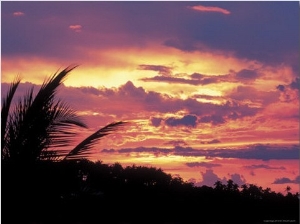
(219, 186)
(231, 186)
(40, 125)
(288, 189)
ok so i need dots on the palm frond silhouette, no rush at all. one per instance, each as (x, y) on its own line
(6, 102)
(39, 126)
(83, 147)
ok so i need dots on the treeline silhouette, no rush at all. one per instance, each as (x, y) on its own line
(92, 192)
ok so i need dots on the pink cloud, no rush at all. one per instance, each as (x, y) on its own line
(202, 8)
(18, 13)
(76, 28)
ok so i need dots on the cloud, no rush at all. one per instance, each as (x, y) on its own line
(247, 74)
(155, 121)
(131, 99)
(108, 150)
(256, 151)
(202, 164)
(76, 28)
(280, 88)
(209, 178)
(114, 25)
(162, 70)
(214, 119)
(193, 79)
(290, 92)
(208, 97)
(18, 13)
(188, 120)
(237, 178)
(202, 8)
(263, 166)
(169, 80)
(257, 97)
(153, 150)
(213, 141)
(182, 44)
(285, 180)
(176, 143)
(295, 84)
(128, 98)
(130, 95)
(90, 90)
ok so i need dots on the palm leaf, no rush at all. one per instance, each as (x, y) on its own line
(82, 148)
(38, 123)
(16, 118)
(64, 119)
(5, 112)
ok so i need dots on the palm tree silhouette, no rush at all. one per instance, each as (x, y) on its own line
(39, 126)
(288, 189)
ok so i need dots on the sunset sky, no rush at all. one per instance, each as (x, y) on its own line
(210, 89)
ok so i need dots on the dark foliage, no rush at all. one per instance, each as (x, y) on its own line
(93, 192)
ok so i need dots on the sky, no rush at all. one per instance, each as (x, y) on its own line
(210, 90)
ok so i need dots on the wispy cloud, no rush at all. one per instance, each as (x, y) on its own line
(285, 180)
(202, 8)
(193, 79)
(202, 164)
(76, 28)
(154, 150)
(162, 70)
(18, 13)
(213, 141)
(263, 166)
(256, 151)
(176, 143)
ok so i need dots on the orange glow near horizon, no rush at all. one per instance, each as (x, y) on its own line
(115, 66)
